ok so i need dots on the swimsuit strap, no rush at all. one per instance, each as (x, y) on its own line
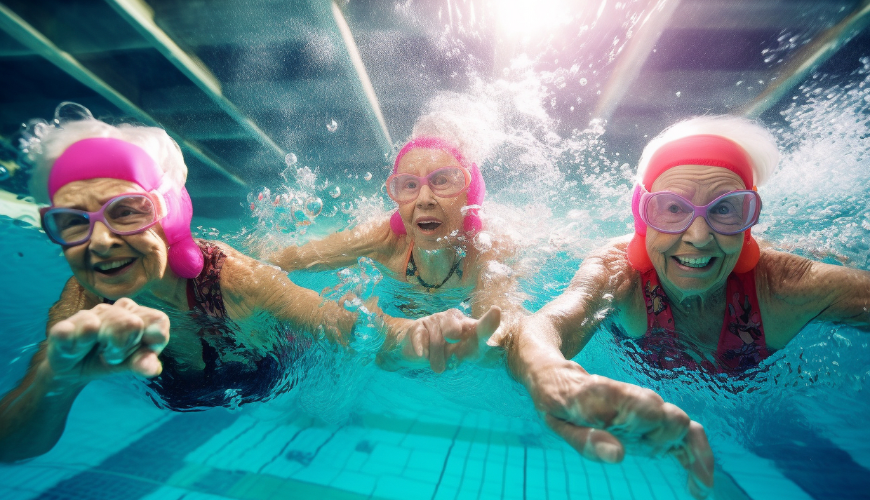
(412, 270)
(204, 291)
(741, 342)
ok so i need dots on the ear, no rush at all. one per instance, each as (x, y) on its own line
(749, 255)
(637, 254)
(397, 225)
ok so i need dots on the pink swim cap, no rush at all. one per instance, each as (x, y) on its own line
(712, 150)
(474, 194)
(105, 157)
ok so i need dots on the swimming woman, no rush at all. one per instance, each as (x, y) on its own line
(121, 214)
(692, 287)
(429, 243)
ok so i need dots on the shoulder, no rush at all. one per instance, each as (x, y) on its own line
(73, 298)
(784, 276)
(609, 266)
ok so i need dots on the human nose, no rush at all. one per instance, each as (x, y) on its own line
(699, 233)
(102, 238)
(425, 198)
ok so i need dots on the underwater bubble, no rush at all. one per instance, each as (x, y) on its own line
(290, 159)
(313, 206)
(335, 192)
(332, 126)
(560, 82)
(368, 176)
(4, 173)
(583, 82)
(678, 94)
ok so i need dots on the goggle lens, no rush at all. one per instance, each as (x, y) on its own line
(729, 214)
(123, 215)
(445, 182)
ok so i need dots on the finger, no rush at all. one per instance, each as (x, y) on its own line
(72, 339)
(455, 326)
(418, 341)
(671, 425)
(119, 335)
(145, 362)
(698, 460)
(155, 335)
(593, 444)
(488, 324)
(437, 360)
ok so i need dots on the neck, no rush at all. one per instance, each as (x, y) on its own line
(433, 266)
(170, 289)
(688, 304)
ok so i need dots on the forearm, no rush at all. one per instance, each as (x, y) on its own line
(532, 345)
(395, 330)
(33, 415)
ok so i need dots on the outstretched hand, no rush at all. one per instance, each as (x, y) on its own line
(604, 419)
(446, 336)
(107, 339)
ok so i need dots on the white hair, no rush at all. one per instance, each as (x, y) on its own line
(758, 143)
(54, 141)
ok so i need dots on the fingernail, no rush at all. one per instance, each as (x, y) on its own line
(607, 452)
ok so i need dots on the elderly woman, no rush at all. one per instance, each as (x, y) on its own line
(121, 214)
(691, 287)
(429, 243)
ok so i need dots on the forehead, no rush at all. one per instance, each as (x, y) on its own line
(694, 178)
(92, 193)
(422, 161)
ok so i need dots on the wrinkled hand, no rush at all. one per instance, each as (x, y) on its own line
(441, 336)
(122, 337)
(603, 419)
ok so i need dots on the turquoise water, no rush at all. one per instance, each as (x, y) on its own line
(348, 430)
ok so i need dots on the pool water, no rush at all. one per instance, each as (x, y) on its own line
(796, 429)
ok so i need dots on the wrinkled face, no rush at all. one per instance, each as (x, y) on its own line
(109, 265)
(699, 259)
(430, 217)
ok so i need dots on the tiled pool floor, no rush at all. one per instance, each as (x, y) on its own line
(117, 446)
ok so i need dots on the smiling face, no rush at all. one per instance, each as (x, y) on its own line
(698, 260)
(430, 217)
(109, 265)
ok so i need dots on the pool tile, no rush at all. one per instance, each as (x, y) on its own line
(399, 488)
(354, 481)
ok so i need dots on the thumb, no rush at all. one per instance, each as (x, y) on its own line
(488, 323)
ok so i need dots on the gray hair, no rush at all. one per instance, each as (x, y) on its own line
(758, 143)
(54, 141)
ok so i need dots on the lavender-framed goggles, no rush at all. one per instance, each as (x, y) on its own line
(728, 214)
(445, 182)
(124, 214)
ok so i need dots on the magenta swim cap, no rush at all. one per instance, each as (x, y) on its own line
(474, 194)
(105, 157)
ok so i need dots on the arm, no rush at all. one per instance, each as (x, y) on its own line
(795, 291)
(375, 241)
(449, 336)
(599, 417)
(85, 340)
(249, 286)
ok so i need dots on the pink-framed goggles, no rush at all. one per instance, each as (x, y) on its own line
(728, 214)
(445, 182)
(125, 214)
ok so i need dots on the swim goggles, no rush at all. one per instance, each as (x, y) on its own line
(670, 213)
(445, 182)
(125, 214)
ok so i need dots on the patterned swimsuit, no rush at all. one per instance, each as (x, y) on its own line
(221, 382)
(741, 341)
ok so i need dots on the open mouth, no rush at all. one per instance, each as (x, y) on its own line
(429, 225)
(113, 267)
(695, 262)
